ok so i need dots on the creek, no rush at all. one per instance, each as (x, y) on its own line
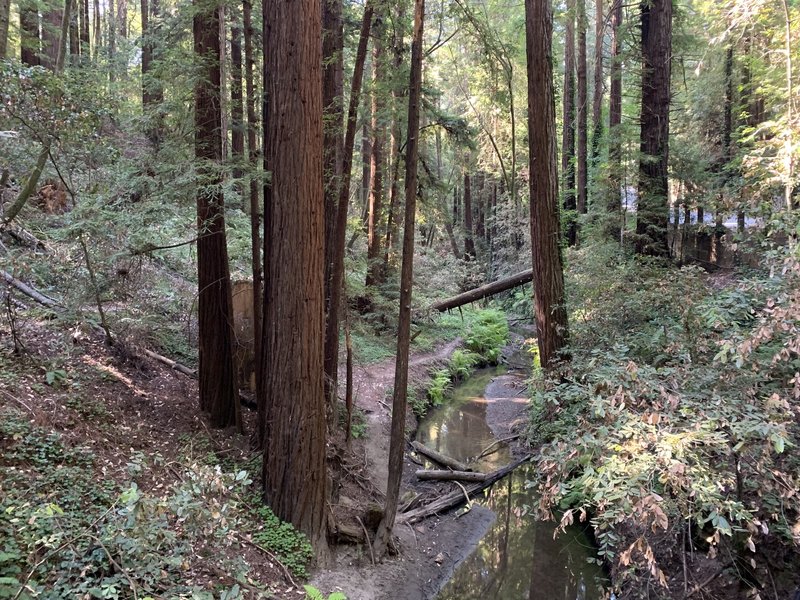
(518, 558)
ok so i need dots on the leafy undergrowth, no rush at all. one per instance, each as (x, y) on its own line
(674, 428)
(111, 487)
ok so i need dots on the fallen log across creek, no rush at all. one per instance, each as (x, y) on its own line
(455, 498)
(490, 289)
(432, 475)
(440, 458)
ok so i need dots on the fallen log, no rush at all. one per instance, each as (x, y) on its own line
(490, 289)
(440, 458)
(433, 475)
(176, 366)
(29, 291)
(455, 498)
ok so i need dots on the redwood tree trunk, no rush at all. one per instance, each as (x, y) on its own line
(469, 240)
(548, 275)
(583, 107)
(218, 394)
(597, 97)
(255, 214)
(568, 136)
(5, 19)
(294, 475)
(397, 441)
(332, 97)
(338, 242)
(374, 264)
(652, 215)
(29, 33)
(613, 204)
(237, 105)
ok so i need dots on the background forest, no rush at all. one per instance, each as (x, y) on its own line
(623, 173)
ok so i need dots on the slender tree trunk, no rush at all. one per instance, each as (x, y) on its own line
(393, 217)
(51, 27)
(613, 205)
(294, 472)
(332, 98)
(788, 189)
(469, 241)
(548, 275)
(652, 216)
(5, 19)
(218, 394)
(583, 107)
(97, 29)
(397, 441)
(85, 42)
(74, 38)
(337, 267)
(255, 215)
(29, 33)
(597, 96)
(374, 263)
(568, 137)
(237, 106)
(366, 168)
(122, 18)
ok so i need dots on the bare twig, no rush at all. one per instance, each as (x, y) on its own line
(117, 566)
(286, 573)
(369, 542)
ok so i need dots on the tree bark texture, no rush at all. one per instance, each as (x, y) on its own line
(29, 33)
(399, 397)
(332, 98)
(340, 233)
(597, 96)
(548, 275)
(255, 213)
(237, 105)
(469, 240)
(582, 112)
(96, 26)
(5, 19)
(490, 289)
(294, 474)
(568, 134)
(613, 204)
(652, 213)
(374, 237)
(51, 29)
(218, 394)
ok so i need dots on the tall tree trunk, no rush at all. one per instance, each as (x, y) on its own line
(85, 42)
(294, 473)
(51, 28)
(366, 168)
(374, 263)
(237, 106)
(469, 240)
(397, 441)
(122, 18)
(613, 204)
(5, 19)
(652, 213)
(597, 96)
(29, 33)
(74, 38)
(218, 394)
(788, 188)
(568, 136)
(340, 233)
(393, 217)
(583, 107)
(255, 214)
(333, 123)
(97, 29)
(548, 275)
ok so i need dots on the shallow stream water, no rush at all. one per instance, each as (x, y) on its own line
(518, 558)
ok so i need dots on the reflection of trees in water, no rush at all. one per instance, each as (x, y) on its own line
(519, 559)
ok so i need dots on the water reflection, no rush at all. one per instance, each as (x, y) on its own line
(518, 557)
